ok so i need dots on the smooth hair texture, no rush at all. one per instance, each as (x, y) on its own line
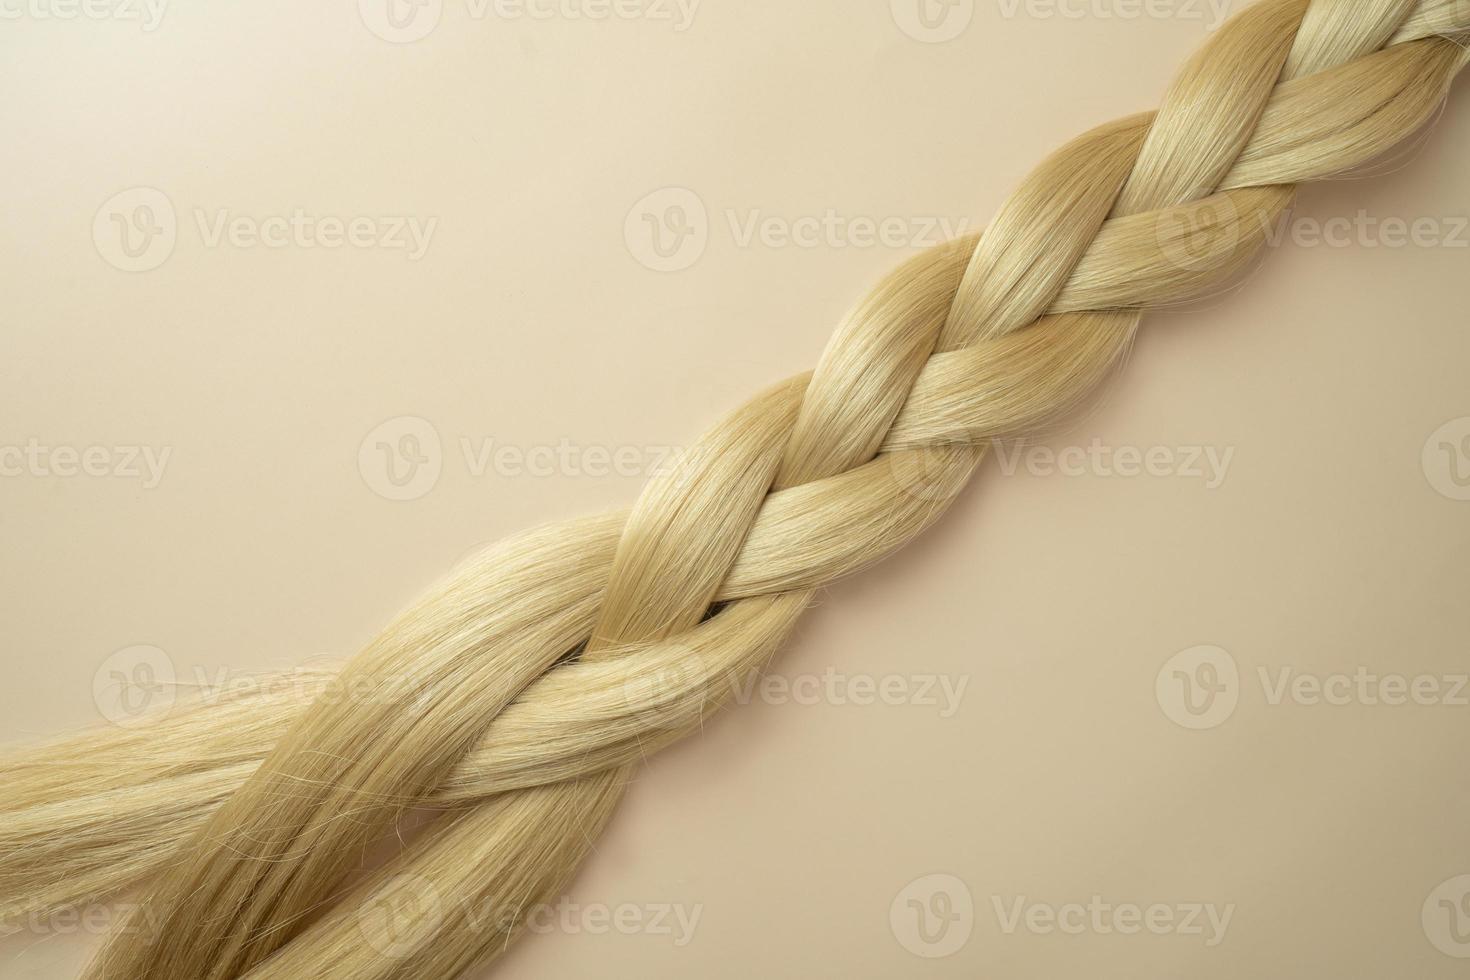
(514, 700)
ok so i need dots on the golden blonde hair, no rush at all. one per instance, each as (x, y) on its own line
(515, 699)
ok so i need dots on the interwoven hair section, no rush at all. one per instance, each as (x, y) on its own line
(547, 669)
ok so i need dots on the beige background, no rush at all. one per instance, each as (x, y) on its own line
(792, 829)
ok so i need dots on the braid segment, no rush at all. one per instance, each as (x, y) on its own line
(547, 669)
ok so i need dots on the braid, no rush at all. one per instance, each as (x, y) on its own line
(547, 669)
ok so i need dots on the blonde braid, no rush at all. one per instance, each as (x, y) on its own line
(981, 338)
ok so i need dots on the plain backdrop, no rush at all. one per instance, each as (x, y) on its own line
(209, 264)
